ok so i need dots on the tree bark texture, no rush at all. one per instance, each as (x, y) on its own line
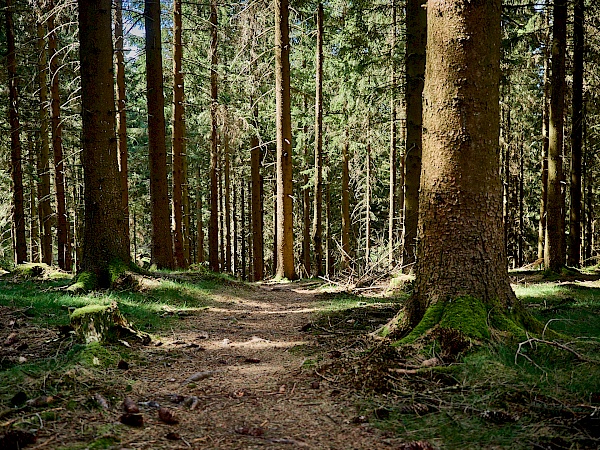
(416, 44)
(213, 225)
(554, 252)
(545, 127)
(574, 257)
(285, 231)
(317, 229)
(461, 245)
(43, 161)
(62, 225)
(105, 236)
(162, 244)
(257, 205)
(121, 111)
(179, 176)
(227, 176)
(16, 170)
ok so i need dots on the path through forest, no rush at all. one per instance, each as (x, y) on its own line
(251, 387)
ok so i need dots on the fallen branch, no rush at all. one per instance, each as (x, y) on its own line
(531, 341)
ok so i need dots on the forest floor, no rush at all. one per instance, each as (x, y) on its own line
(244, 366)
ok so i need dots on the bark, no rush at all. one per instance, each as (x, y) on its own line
(213, 228)
(243, 221)
(345, 203)
(250, 234)
(162, 244)
(306, 205)
(283, 120)
(257, 204)
(179, 178)
(105, 240)
(554, 252)
(199, 228)
(574, 256)
(62, 225)
(221, 216)
(368, 204)
(34, 230)
(416, 42)
(235, 262)
(392, 202)
(121, 111)
(506, 210)
(589, 197)
(227, 174)
(545, 143)
(317, 229)
(16, 171)
(521, 233)
(43, 162)
(461, 265)
(187, 217)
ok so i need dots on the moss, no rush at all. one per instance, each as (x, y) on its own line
(88, 309)
(467, 315)
(116, 268)
(86, 281)
(431, 318)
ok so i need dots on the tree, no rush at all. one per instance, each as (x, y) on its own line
(285, 232)
(317, 231)
(213, 225)
(106, 244)
(574, 256)
(460, 219)
(162, 246)
(416, 43)
(554, 252)
(16, 171)
(179, 176)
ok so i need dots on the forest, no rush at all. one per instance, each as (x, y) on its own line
(299, 223)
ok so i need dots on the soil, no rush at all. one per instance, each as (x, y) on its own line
(237, 375)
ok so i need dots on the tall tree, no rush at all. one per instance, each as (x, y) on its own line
(345, 201)
(574, 256)
(179, 176)
(105, 237)
(162, 245)
(317, 231)
(257, 201)
(43, 161)
(62, 224)
(545, 127)
(16, 171)
(554, 252)
(213, 225)
(393, 162)
(285, 230)
(121, 111)
(416, 43)
(460, 181)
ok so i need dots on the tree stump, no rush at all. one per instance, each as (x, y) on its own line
(103, 323)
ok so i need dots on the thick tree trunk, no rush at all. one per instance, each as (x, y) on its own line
(16, 171)
(179, 175)
(105, 243)
(574, 257)
(162, 243)
(121, 111)
(283, 120)
(416, 43)
(43, 161)
(213, 226)
(317, 229)
(62, 225)
(554, 252)
(461, 266)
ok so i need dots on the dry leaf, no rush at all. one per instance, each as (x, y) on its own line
(167, 416)
(129, 406)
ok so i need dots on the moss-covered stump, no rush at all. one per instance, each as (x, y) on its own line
(103, 323)
(38, 270)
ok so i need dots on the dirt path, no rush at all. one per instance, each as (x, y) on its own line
(254, 389)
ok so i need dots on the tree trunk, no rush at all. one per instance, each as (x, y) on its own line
(227, 174)
(16, 171)
(105, 243)
(554, 252)
(392, 202)
(283, 120)
(43, 162)
(461, 266)
(178, 136)
(221, 216)
(589, 197)
(235, 235)
(545, 143)
(257, 203)
(368, 203)
(506, 184)
(306, 193)
(244, 231)
(345, 202)
(62, 225)
(34, 229)
(250, 234)
(521, 233)
(199, 226)
(317, 229)
(213, 226)
(162, 243)
(416, 43)
(574, 257)
(121, 111)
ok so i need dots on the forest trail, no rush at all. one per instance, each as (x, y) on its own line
(253, 389)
